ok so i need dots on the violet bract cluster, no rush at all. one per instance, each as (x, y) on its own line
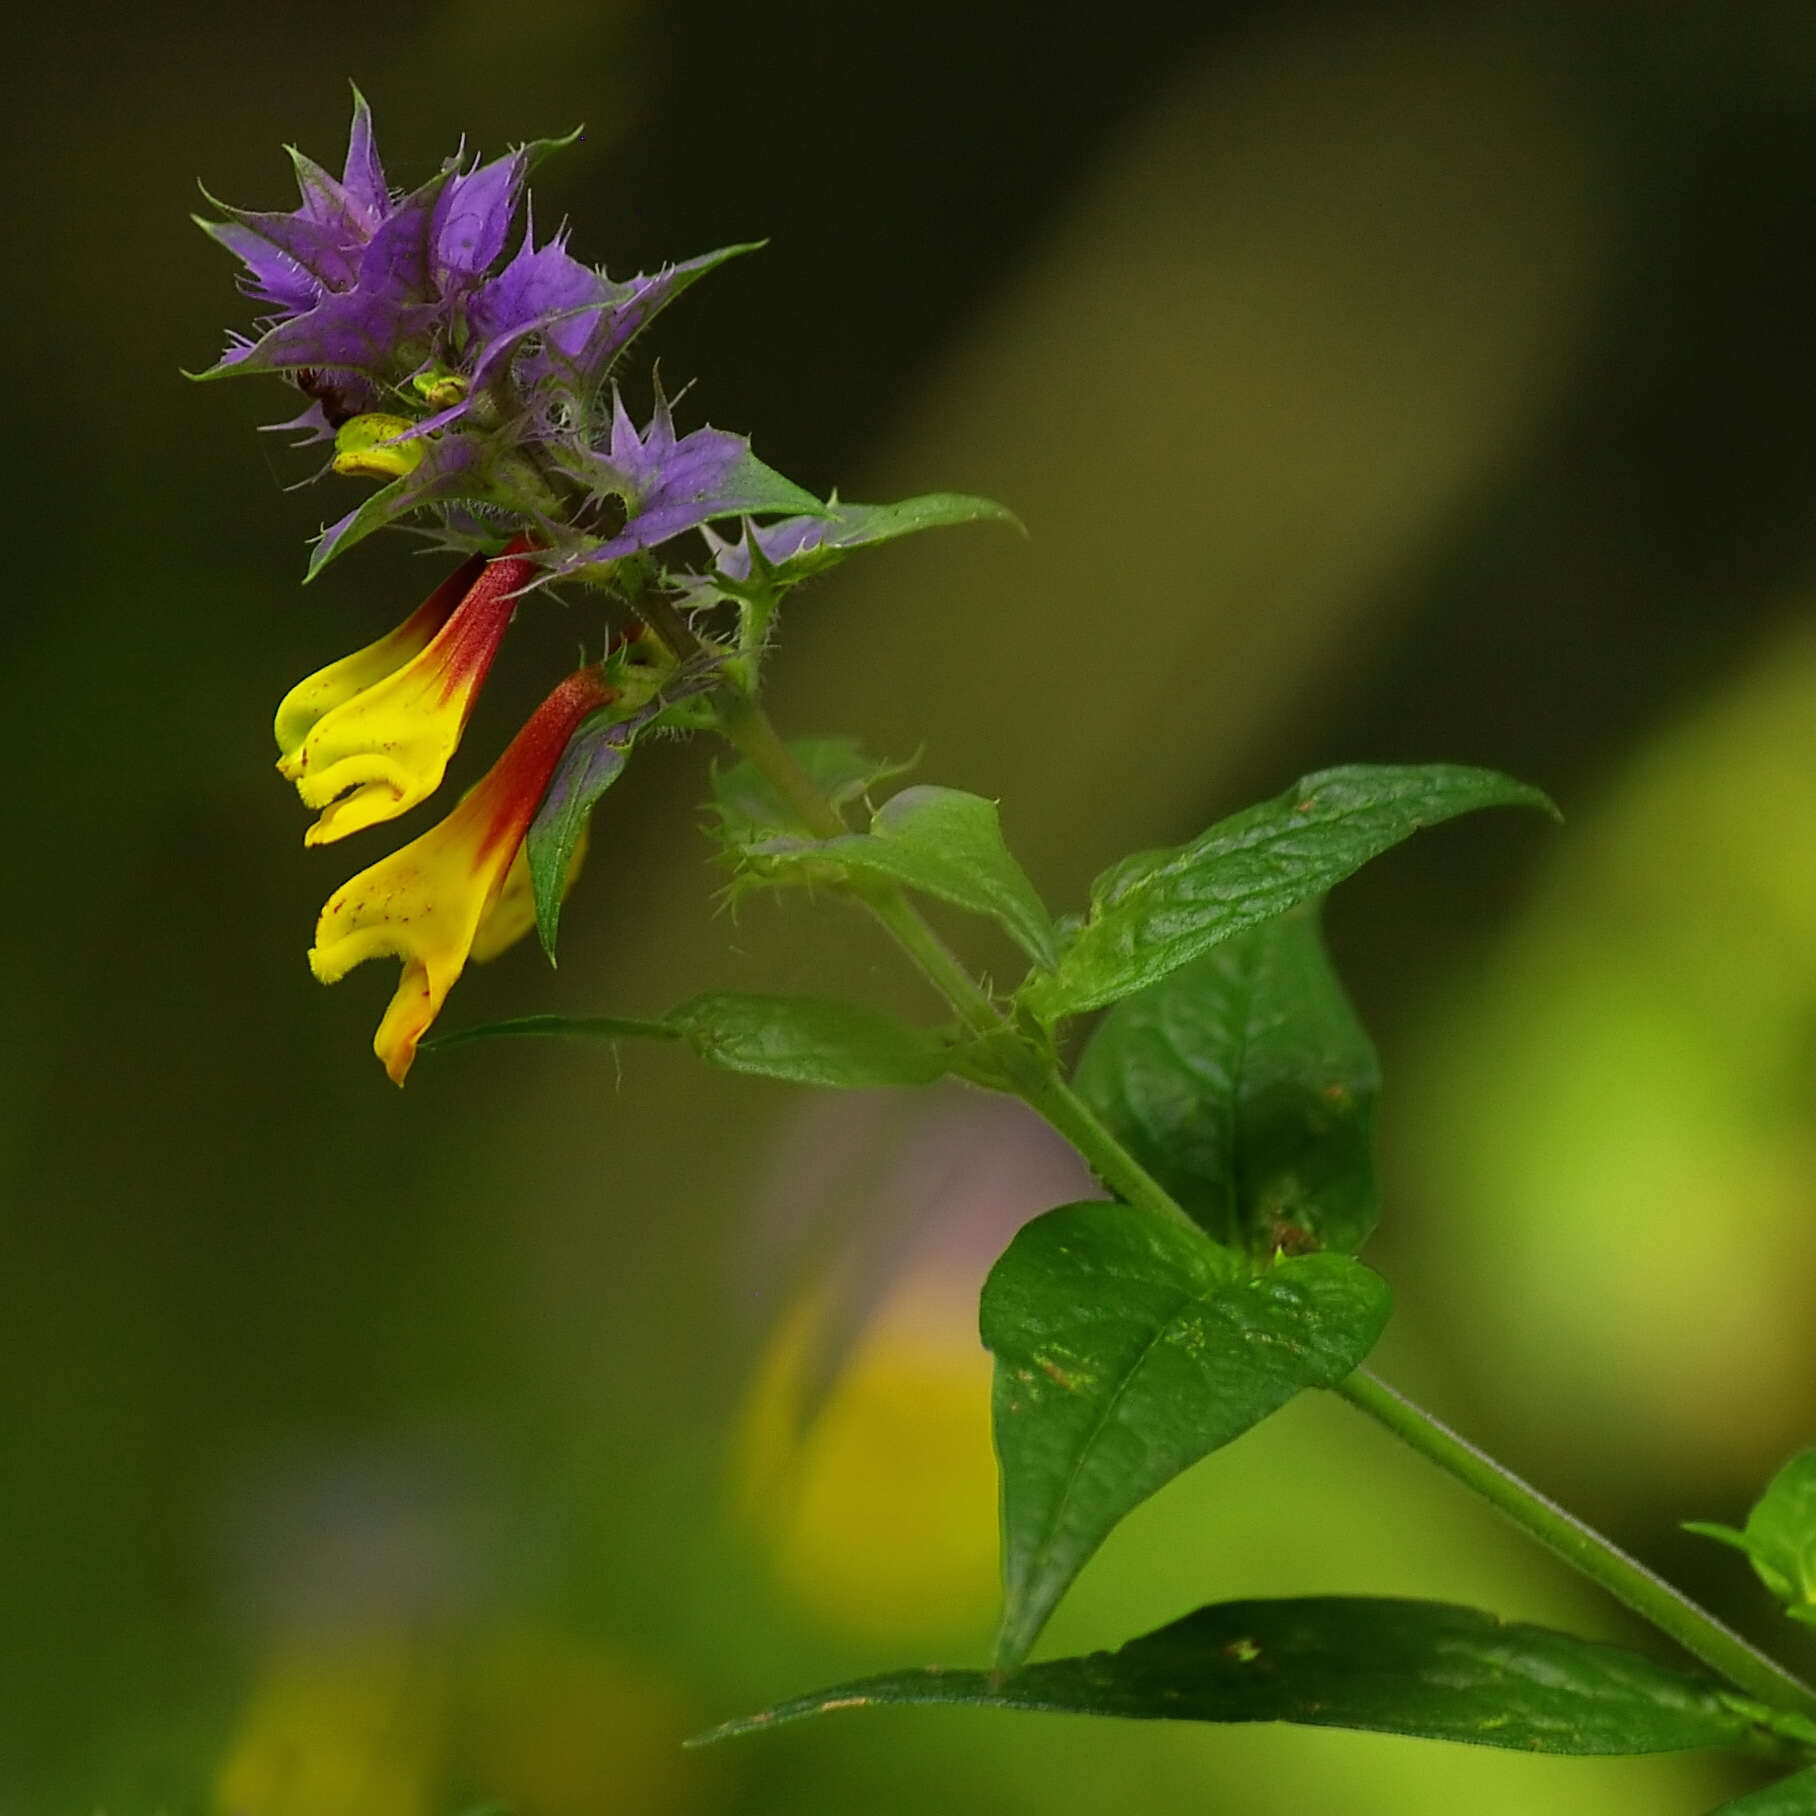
(473, 372)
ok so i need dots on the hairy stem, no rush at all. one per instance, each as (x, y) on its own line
(1037, 1079)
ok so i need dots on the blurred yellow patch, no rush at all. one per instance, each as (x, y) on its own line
(561, 1726)
(546, 1722)
(356, 1731)
(879, 1512)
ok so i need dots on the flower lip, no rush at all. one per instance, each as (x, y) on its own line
(311, 700)
(369, 446)
(385, 746)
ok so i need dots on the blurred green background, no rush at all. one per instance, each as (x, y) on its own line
(1383, 382)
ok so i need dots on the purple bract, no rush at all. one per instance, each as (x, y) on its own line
(380, 302)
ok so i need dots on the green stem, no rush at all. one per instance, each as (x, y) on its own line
(1047, 1092)
(1034, 1075)
(747, 727)
(1037, 1079)
(1625, 1578)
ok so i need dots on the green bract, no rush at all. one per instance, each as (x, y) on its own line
(594, 759)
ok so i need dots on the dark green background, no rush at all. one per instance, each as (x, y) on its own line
(1393, 382)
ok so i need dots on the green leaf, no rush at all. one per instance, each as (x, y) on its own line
(1157, 910)
(1780, 1536)
(750, 485)
(941, 841)
(1424, 1669)
(806, 1040)
(858, 525)
(553, 1027)
(594, 759)
(1126, 1349)
(1793, 1796)
(1245, 1084)
(751, 812)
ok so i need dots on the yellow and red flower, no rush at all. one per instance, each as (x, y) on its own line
(371, 735)
(447, 896)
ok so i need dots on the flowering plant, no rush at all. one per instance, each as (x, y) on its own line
(1224, 1101)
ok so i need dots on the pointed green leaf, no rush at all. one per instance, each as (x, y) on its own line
(1245, 1084)
(1793, 1796)
(856, 525)
(750, 485)
(1424, 1669)
(1157, 910)
(949, 844)
(533, 151)
(941, 841)
(808, 1040)
(803, 1040)
(789, 555)
(554, 1027)
(1126, 1349)
(1780, 1536)
(594, 759)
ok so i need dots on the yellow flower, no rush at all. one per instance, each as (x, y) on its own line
(448, 896)
(312, 700)
(371, 735)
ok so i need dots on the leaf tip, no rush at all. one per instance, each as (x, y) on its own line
(709, 1737)
(545, 938)
(1531, 796)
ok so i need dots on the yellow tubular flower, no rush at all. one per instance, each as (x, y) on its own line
(311, 700)
(445, 895)
(384, 745)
